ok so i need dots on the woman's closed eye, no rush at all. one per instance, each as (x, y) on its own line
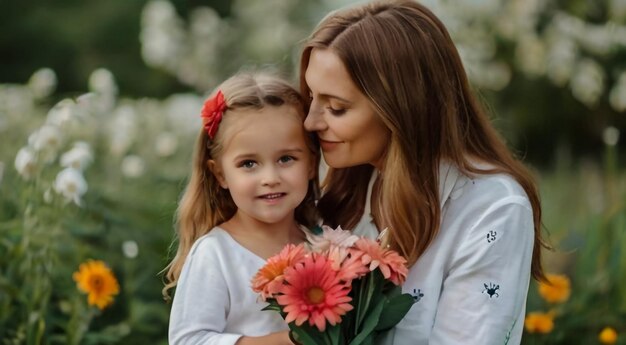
(336, 111)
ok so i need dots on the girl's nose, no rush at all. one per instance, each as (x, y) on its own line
(270, 177)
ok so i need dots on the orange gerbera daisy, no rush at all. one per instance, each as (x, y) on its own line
(391, 264)
(96, 279)
(557, 290)
(270, 277)
(314, 292)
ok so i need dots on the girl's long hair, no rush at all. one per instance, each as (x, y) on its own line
(204, 204)
(400, 55)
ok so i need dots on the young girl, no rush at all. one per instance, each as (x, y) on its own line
(252, 186)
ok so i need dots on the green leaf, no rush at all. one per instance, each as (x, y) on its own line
(272, 307)
(334, 334)
(369, 324)
(368, 340)
(370, 290)
(394, 310)
(307, 335)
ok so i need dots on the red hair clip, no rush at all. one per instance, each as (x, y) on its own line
(212, 112)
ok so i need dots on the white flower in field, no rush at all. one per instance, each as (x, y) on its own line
(122, 129)
(610, 136)
(102, 81)
(43, 82)
(71, 184)
(166, 144)
(130, 249)
(26, 163)
(79, 157)
(86, 104)
(597, 38)
(162, 35)
(588, 82)
(133, 166)
(47, 139)
(158, 11)
(561, 57)
(62, 113)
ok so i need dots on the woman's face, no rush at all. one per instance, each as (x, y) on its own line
(350, 131)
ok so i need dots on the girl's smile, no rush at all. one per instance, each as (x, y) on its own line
(273, 198)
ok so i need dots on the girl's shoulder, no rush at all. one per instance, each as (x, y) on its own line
(211, 242)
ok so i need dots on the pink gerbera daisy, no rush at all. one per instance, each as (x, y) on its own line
(270, 277)
(314, 292)
(391, 264)
(352, 266)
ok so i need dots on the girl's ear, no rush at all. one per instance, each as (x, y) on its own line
(216, 170)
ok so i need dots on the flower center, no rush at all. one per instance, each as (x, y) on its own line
(96, 283)
(315, 295)
(71, 188)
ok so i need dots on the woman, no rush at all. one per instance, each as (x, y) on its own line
(410, 149)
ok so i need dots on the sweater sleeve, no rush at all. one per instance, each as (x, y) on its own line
(201, 301)
(483, 295)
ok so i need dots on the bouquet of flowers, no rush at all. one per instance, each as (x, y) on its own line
(338, 289)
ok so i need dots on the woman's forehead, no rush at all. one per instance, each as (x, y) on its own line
(326, 74)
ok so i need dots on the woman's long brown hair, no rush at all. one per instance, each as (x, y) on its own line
(400, 55)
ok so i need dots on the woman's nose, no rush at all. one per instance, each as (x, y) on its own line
(314, 121)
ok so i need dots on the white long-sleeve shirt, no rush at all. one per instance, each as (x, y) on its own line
(471, 283)
(214, 303)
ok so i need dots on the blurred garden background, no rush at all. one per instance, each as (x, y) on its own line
(99, 104)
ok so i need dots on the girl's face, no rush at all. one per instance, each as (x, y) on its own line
(350, 131)
(265, 163)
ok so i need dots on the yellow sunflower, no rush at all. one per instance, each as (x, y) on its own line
(96, 279)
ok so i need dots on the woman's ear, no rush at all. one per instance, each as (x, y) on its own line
(216, 170)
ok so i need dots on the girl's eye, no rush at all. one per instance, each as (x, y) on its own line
(248, 164)
(336, 112)
(286, 159)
